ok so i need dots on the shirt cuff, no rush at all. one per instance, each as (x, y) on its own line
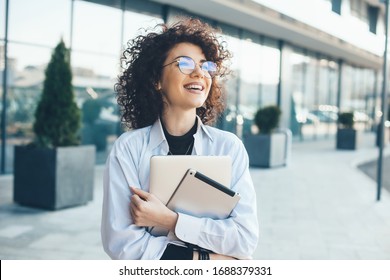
(188, 228)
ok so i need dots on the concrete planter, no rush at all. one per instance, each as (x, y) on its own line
(267, 150)
(348, 139)
(53, 178)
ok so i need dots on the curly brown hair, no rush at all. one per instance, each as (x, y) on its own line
(139, 100)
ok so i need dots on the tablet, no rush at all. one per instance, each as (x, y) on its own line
(200, 196)
(166, 172)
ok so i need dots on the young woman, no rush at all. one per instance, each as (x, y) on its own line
(169, 92)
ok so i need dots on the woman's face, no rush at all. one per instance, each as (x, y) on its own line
(181, 91)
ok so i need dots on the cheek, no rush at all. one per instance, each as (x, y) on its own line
(209, 87)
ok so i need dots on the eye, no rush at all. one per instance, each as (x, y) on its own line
(186, 63)
(210, 67)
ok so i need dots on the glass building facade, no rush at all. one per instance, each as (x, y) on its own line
(310, 86)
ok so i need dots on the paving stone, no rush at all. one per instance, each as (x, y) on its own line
(321, 206)
(14, 231)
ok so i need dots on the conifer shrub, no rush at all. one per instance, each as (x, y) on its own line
(345, 120)
(57, 117)
(267, 119)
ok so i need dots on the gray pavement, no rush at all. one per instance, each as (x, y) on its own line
(321, 206)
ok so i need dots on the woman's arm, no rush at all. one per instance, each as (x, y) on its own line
(149, 211)
(121, 237)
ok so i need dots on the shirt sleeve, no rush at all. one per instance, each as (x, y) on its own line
(121, 238)
(237, 235)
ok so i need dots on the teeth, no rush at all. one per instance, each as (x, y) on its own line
(197, 87)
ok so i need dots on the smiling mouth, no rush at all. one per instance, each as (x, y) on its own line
(195, 88)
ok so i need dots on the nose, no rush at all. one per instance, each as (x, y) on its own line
(198, 72)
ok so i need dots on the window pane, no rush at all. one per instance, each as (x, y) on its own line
(93, 82)
(100, 65)
(41, 22)
(229, 120)
(361, 92)
(325, 109)
(23, 56)
(26, 74)
(135, 24)
(2, 19)
(1, 63)
(296, 72)
(346, 91)
(96, 28)
(250, 82)
(270, 64)
(309, 127)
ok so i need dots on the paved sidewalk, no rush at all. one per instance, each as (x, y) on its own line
(319, 207)
(322, 206)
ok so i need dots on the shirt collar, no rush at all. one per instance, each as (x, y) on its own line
(157, 136)
(203, 128)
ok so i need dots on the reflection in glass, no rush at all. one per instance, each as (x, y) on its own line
(347, 90)
(94, 77)
(2, 65)
(136, 24)
(270, 67)
(2, 19)
(96, 66)
(358, 95)
(25, 77)
(229, 118)
(42, 22)
(96, 28)
(250, 81)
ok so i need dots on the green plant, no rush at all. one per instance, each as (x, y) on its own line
(267, 119)
(345, 120)
(91, 110)
(57, 117)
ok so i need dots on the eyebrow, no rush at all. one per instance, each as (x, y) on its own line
(202, 60)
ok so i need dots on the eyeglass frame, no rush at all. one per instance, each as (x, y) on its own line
(177, 59)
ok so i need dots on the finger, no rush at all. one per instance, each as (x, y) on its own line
(142, 194)
(133, 205)
(137, 200)
(132, 212)
(136, 219)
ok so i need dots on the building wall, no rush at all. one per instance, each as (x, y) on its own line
(267, 70)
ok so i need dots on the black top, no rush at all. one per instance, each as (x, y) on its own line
(179, 145)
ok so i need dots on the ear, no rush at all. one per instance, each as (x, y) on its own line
(157, 86)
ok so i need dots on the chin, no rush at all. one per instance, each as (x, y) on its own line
(200, 104)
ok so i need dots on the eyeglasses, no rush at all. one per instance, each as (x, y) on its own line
(187, 66)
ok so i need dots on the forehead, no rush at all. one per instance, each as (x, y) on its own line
(186, 49)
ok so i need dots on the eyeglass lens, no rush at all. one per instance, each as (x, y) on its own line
(187, 66)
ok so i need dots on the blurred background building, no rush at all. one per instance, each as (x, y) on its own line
(313, 58)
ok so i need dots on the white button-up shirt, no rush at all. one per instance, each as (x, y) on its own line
(129, 165)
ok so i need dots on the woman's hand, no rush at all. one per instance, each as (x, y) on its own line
(148, 211)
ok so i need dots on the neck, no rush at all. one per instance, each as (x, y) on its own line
(178, 124)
